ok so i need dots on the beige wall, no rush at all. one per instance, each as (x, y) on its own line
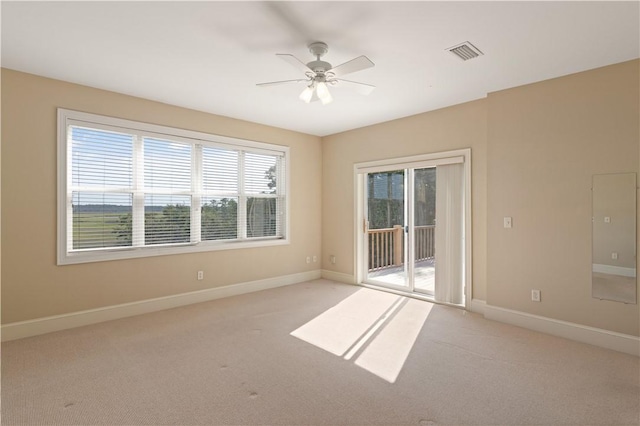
(33, 286)
(545, 142)
(461, 126)
(534, 151)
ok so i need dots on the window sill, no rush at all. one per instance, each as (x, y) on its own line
(134, 253)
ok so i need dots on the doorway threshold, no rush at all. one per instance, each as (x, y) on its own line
(423, 297)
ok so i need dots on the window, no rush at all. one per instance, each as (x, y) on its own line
(128, 189)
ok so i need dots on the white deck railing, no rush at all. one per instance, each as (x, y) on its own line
(386, 246)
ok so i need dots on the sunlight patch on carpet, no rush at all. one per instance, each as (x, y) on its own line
(378, 329)
(340, 327)
(386, 354)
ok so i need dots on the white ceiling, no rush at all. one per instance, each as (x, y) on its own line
(208, 56)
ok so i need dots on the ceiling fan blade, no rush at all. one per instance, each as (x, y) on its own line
(362, 88)
(358, 64)
(275, 83)
(297, 63)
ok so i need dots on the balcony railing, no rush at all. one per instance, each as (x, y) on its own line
(386, 246)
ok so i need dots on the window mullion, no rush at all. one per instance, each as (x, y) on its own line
(137, 219)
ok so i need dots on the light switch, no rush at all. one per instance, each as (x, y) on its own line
(507, 222)
(607, 219)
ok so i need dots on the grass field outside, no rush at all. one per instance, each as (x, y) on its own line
(93, 230)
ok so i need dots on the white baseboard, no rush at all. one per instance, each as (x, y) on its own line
(614, 270)
(477, 306)
(19, 330)
(581, 333)
(338, 276)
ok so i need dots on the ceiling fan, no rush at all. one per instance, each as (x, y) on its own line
(320, 74)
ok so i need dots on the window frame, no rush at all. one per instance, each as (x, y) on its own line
(68, 117)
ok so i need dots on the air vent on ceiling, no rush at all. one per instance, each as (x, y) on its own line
(465, 51)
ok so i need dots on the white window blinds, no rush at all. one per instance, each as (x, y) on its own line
(167, 191)
(127, 188)
(101, 188)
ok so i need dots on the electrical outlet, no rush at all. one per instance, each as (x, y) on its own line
(535, 295)
(507, 222)
(200, 275)
(308, 259)
(332, 259)
(315, 259)
(614, 256)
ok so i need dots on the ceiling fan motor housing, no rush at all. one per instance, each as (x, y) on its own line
(318, 49)
(319, 66)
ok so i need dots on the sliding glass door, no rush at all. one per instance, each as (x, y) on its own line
(413, 236)
(424, 230)
(386, 225)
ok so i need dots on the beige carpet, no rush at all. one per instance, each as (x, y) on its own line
(357, 356)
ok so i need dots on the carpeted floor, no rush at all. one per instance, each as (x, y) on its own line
(356, 356)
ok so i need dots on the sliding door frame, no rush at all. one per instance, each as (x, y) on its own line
(418, 161)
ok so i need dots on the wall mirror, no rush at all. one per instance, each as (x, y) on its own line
(613, 274)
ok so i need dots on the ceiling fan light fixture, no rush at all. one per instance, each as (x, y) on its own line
(327, 99)
(323, 93)
(307, 93)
